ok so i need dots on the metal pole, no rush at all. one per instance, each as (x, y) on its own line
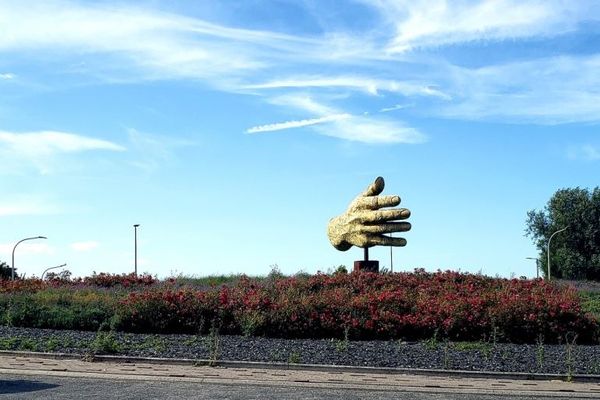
(366, 254)
(537, 265)
(12, 273)
(135, 246)
(48, 269)
(548, 249)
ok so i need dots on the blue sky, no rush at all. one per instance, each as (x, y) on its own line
(233, 131)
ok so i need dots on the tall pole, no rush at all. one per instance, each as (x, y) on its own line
(48, 269)
(548, 249)
(391, 256)
(12, 272)
(135, 246)
(537, 265)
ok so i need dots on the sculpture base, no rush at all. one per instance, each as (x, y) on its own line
(367, 266)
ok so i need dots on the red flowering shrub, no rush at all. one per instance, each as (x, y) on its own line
(22, 286)
(110, 280)
(363, 305)
(404, 305)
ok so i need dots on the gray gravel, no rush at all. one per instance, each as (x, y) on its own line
(481, 356)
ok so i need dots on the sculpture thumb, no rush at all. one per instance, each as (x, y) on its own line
(375, 188)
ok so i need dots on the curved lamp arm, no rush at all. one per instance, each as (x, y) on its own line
(12, 273)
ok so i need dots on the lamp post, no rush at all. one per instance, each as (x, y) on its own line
(135, 226)
(548, 249)
(12, 273)
(537, 265)
(48, 269)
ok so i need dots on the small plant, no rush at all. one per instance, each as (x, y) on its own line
(9, 343)
(446, 354)
(540, 351)
(570, 339)
(26, 344)
(105, 343)
(341, 346)
(294, 357)
(432, 343)
(153, 342)
(251, 322)
(52, 344)
(192, 341)
(213, 344)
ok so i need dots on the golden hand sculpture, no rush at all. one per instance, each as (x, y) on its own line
(364, 223)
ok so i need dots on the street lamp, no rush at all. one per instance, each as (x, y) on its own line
(48, 269)
(12, 273)
(537, 265)
(548, 249)
(135, 244)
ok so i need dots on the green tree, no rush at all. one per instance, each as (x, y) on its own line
(4, 270)
(574, 253)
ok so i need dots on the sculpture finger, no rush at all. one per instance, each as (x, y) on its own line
(386, 215)
(377, 202)
(387, 228)
(374, 188)
(381, 240)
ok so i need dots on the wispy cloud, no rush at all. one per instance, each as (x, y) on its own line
(297, 124)
(150, 151)
(586, 152)
(7, 76)
(132, 43)
(49, 142)
(432, 23)
(26, 205)
(157, 44)
(41, 148)
(366, 84)
(363, 128)
(33, 247)
(544, 91)
(394, 108)
(84, 246)
(373, 130)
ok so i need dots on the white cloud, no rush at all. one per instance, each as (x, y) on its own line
(130, 43)
(432, 23)
(366, 84)
(585, 152)
(363, 128)
(544, 91)
(25, 207)
(304, 102)
(40, 147)
(26, 248)
(7, 76)
(50, 142)
(373, 130)
(150, 151)
(84, 246)
(156, 44)
(394, 108)
(297, 124)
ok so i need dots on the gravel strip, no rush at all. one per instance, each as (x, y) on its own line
(497, 357)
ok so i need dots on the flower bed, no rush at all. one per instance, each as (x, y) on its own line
(405, 306)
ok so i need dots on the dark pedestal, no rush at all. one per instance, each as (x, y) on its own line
(368, 266)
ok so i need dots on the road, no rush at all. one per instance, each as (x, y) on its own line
(36, 377)
(69, 388)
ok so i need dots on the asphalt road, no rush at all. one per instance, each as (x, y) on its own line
(14, 386)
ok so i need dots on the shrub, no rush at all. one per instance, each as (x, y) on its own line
(409, 306)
